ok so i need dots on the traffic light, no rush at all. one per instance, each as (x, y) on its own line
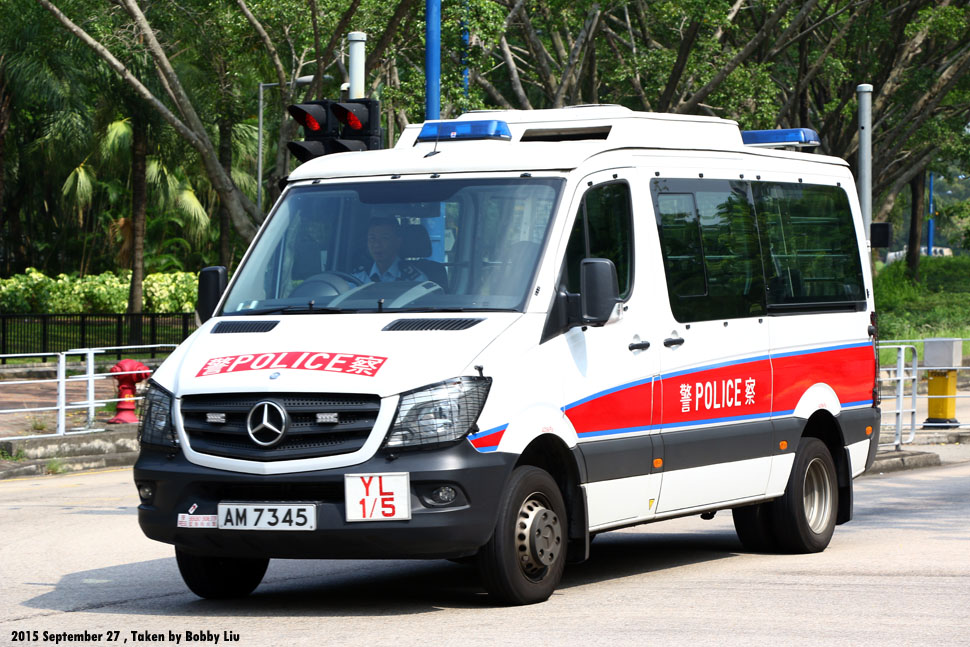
(336, 127)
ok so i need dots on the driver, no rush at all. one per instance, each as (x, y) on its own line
(384, 245)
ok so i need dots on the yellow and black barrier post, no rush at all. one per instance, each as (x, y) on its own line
(941, 358)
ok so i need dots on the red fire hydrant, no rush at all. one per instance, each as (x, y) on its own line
(132, 372)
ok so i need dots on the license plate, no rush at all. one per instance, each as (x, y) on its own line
(267, 516)
(377, 497)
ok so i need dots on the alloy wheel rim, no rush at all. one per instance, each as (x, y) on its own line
(817, 496)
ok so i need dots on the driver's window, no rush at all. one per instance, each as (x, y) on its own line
(603, 229)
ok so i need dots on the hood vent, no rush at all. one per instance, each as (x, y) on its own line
(243, 326)
(431, 324)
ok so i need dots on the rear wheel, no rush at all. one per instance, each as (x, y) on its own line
(220, 578)
(754, 527)
(804, 518)
(523, 561)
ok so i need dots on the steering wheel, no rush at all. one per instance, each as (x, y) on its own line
(326, 284)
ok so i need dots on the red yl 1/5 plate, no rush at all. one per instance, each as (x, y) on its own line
(377, 497)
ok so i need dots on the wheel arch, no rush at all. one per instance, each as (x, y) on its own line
(825, 427)
(550, 453)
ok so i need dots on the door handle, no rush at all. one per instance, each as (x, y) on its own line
(639, 345)
(670, 342)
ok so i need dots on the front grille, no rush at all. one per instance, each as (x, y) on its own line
(304, 438)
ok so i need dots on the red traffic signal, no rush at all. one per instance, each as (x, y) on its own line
(336, 127)
(355, 116)
(314, 117)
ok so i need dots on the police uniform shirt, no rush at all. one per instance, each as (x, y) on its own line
(398, 271)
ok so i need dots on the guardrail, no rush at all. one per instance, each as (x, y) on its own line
(89, 377)
(906, 379)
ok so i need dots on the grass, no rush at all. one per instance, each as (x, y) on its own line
(54, 466)
(938, 305)
(17, 456)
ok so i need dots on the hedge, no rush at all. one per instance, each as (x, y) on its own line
(35, 293)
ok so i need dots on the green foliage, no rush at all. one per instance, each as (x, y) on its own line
(171, 292)
(35, 293)
(937, 306)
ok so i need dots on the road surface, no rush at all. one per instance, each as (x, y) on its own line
(73, 560)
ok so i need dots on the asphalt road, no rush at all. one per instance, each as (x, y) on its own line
(72, 559)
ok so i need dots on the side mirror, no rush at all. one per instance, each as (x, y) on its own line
(599, 290)
(880, 234)
(212, 283)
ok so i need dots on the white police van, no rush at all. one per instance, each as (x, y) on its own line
(600, 318)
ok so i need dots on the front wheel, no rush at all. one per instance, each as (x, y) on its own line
(804, 517)
(220, 578)
(523, 561)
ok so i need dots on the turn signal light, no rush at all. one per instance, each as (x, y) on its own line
(658, 463)
(868, 431)
(783, 445)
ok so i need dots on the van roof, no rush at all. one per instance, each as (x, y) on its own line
(543, 140)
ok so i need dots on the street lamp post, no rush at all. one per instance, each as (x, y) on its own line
(303, 80)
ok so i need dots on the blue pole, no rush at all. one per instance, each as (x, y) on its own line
(464, 46)
(929, 228)
(432, 59)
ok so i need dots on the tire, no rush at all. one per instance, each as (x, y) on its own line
(523, 561)
(754, 527)
(804, 518)
(220, 578)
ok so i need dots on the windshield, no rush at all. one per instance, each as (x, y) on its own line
(428, 245)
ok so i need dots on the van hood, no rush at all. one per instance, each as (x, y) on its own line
(382, 354)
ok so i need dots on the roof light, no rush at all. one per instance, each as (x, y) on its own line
(465, 130)
(780, 137)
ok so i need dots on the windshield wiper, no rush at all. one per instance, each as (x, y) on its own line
(306, 309)
(435, 310)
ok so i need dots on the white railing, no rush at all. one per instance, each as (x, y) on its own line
(899, 402)
(89, 377)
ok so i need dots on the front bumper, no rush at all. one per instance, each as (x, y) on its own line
(432, 532)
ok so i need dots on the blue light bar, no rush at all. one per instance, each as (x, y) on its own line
(464, 130)
(780, 137)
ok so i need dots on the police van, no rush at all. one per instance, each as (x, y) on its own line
(514, 331)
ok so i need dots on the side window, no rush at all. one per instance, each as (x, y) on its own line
(603, 229)
(810, 244)
(711, 249)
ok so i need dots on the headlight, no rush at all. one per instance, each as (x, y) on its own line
(439, 413)
(156, 419)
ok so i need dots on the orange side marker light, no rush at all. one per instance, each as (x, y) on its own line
(868, 431)
(658, 463)
(783, 445)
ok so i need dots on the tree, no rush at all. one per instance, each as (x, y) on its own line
(244, 214)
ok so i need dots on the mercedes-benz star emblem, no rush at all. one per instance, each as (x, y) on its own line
(266, 423)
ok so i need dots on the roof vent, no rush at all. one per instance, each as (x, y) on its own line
(224, 327)
(431, 324)
(565, 134)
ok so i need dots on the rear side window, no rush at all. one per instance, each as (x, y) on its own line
(711, 248)
(812, 257)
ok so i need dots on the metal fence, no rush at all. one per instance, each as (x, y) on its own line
(89, 377)
(902, 388)
(45, 335)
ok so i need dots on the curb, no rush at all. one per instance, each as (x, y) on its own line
(45, 467)
(119, 448)
(72, 452)
(894, 461)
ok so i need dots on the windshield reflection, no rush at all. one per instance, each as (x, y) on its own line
(430, 245)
